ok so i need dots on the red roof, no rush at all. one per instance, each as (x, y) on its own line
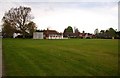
(48, 32)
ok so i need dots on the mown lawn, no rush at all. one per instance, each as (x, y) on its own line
(70, 57)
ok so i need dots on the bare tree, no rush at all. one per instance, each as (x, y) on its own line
(18, 18)
(76, 30)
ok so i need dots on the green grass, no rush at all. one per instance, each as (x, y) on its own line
(71, 57)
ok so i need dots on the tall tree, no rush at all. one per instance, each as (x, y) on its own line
(19, 17)
(83, 31)
(31, 28)
(76, 30)
(64, 30)
(8, 29)
(69, 29)
(96, 31)
(102, 31)
(112, 32)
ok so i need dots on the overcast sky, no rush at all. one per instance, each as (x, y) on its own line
(86, 15)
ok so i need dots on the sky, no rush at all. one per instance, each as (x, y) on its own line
(57, 15)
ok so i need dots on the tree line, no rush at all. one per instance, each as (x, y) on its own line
(103, 34)
(107, 34)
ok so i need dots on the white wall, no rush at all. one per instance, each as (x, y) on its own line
(38, 35)
(54, 36)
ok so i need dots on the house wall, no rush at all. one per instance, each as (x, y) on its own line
(38, 35)
(86, 36)
(43, 35)
(54, 36)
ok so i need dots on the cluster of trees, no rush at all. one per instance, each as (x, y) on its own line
(107, 34)
(18, 20)
(69, 29)
(69, 32)
(103, 34)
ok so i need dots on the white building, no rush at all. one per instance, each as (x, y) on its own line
(47, 34)
(38, 35)
(55, 36)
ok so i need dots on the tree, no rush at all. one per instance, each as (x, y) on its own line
(69, 29)
(31, 28)
(118, 34)
(7, 29)
(96, 31)
(109, 33)
(83, 31)
(76, 30)
(19, 18)
(112, 32)
(102, 31)
(64, 30)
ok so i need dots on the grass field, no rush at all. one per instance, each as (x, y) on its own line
(70, 57)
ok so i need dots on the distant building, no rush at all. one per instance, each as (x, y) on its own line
(38, 35)
(78, 35)
(47, 34)
(86, 35)
(71, 35)
(52, 34)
